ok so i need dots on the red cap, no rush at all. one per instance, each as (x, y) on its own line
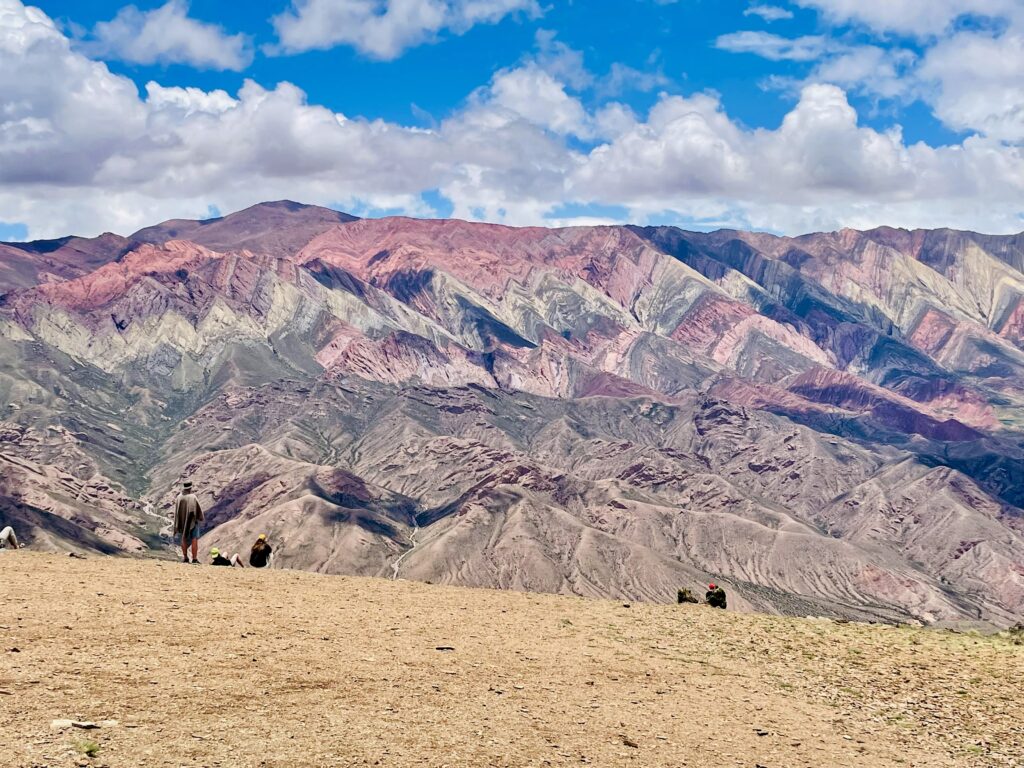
(711, 586)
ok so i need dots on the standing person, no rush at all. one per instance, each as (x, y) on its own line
(8, 539)
(188, 516)
(715, 596)
(262, 553)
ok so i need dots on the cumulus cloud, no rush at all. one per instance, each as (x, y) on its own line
(532, 94)
(167, 35)
(81, 151)
(383, 29)
(976, 82)
(818, 168)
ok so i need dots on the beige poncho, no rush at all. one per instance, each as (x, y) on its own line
(187, 513)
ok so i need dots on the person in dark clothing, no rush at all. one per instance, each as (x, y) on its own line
(683, 595)
(188, 519)
(262, 553)
(715, 596)
(222, 558)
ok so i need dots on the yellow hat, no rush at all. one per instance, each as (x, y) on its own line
(214, 552)
(262, 537)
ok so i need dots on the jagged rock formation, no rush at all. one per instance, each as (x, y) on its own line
(826, 424)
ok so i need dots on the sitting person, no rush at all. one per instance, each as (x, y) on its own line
(262, 553)
(222, 558)
(9, 539)
(715, 596)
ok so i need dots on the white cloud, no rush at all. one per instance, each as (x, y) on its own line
(566, 64)
(971, 78)
(869, 68)
(622, 78)
(561, 61)
(167, 35)
(187, 101)
(819, 169)
(769, 12)
(977, 82)
(383, 29)
(885, 73)
(532, 94)
(918, 18)
(776, 47)
(82, 151)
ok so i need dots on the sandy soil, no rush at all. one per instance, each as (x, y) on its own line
(207, 666)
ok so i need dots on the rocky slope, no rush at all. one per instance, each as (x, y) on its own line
(828, 424)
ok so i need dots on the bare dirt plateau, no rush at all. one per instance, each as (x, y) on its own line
(219, 667)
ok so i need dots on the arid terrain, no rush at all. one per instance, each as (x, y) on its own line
(829, 424)
(204, 666)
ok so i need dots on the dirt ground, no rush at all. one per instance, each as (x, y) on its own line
(205, 666)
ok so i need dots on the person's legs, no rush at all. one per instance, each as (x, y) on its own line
(8, 538)
(194, 535)
(236, 561)
(184, 547)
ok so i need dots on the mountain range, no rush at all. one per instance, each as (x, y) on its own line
(830, 424)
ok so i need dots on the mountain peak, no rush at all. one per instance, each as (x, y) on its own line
(276, 228)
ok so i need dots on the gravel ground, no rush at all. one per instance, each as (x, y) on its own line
(220, 667)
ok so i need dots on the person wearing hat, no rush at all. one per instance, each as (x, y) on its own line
(262, 553)
(221, 558)
(188, 519)
(715, 596)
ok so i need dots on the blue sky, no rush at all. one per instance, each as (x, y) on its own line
(677, 39)
(783, 116)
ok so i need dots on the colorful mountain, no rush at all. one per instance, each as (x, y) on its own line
(829, 424)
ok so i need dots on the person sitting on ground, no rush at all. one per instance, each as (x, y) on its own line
(262, 553)
(9, 539)
(684, 595)
(222, 558)
(715, 596)
(188, 518)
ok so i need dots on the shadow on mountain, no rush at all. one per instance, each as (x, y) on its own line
(233, 498)
(998, 468)
(28, 521)
(352, 501)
